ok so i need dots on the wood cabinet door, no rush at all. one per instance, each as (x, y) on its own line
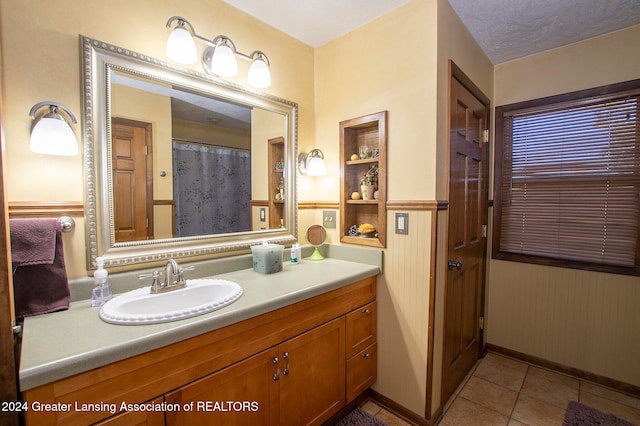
(312, 383)
(136, 418)
(245, 393)
(361, 328)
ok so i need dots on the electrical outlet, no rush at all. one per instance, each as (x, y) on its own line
(402, 223)
(329, 219)
(263, 214)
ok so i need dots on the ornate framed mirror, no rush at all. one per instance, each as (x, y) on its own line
(178, 163)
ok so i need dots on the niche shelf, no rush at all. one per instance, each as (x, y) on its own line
(276, 182)
(370, 131)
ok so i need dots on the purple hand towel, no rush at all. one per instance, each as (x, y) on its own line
(40, 283)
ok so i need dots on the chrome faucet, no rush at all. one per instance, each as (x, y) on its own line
(172, 269)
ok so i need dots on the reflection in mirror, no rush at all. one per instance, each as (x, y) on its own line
(316, 235)
(183, 164)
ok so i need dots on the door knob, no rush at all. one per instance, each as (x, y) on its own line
(453, 264)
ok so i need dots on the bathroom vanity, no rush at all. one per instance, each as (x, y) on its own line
(293, 350)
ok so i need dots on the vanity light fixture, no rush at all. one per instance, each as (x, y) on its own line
(51, 133)
(312, 164)
(219, 58)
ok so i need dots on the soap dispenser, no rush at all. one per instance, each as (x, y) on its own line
(101, 292)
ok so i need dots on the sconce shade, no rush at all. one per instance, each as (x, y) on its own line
(181, 47)
(316, 167)
(259, 75)
(51, 133)
(312, 164)
(223, 62)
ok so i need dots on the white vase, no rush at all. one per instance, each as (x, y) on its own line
(367, 192)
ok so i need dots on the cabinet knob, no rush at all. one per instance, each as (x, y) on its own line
(365, 356)
(366, 312)
(286, 365)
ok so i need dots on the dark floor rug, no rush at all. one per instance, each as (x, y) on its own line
(580, 415)
(359, 417)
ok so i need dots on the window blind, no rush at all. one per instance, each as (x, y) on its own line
(570, 181)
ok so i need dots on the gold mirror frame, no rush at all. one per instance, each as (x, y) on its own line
(98, 59)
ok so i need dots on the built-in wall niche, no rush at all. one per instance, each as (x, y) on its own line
(363, 187)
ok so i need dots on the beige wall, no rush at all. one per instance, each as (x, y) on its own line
(399, 63)
(41, 61)
(454, 44)
(585, 320)
(390, 64)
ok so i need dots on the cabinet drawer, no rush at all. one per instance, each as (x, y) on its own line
(361, 328)
(361, 371)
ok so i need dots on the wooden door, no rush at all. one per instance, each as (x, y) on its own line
(132, 180)
(245, 393)
(466, 235)
(312, 384)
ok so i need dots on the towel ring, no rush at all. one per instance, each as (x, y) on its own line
(67, 223)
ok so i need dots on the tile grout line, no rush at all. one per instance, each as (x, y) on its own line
(526, 372)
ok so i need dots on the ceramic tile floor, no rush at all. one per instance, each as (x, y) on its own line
(381, 413)
(505, 391)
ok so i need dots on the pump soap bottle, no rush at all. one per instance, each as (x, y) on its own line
(101, 292)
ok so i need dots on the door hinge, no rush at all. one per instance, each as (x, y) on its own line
(485, 136)
(481, 323)
(484, 231)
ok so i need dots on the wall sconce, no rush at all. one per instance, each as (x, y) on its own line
(312, 164)
(51, 133)
(219, 58)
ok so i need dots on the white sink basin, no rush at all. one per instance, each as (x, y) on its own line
(200, 296)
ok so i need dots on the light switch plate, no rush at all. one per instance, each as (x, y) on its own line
(329, 219)
(402, 223)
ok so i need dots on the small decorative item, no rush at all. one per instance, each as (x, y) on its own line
(280, 189)
(355, 195)
(376, 153)
(353, 231)
(279, 165)
(376, 194)
(365, 152)
(354, 157)
(367, 183)
(366, 230)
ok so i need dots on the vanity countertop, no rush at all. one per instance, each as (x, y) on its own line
(61, 344)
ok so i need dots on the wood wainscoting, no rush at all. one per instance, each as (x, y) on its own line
(27, 209)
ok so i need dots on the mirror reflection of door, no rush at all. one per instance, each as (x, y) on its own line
(132, 180)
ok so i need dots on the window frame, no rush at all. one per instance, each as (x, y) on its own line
(572, 98)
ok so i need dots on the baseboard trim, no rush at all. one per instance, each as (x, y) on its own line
(398, 410)
(358, 401)
(623, 387)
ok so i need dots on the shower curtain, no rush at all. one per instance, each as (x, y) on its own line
(211, 189)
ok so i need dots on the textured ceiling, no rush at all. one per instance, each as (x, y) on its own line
(510, 29)
(504, 29)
